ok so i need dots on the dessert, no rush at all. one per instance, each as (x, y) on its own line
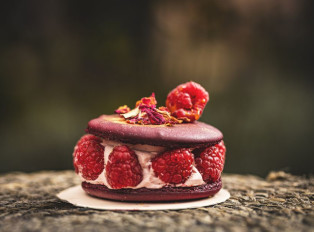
(153, 153)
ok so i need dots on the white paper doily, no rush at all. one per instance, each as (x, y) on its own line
(76, 196)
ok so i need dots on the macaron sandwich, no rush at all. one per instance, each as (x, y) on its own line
(153, 154)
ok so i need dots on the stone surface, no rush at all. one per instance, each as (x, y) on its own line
(282, 202)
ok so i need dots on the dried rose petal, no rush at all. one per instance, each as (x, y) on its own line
(170, 120)
(122, 109)
(131, 114)
(154, 117)
(147, 101)
(163, 108)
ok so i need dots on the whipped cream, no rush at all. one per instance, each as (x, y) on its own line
(145, 153)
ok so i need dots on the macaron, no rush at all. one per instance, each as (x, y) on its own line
(152, 154)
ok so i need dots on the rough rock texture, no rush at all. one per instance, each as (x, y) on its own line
(282, 202)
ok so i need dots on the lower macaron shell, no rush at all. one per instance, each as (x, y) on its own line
(167, 193)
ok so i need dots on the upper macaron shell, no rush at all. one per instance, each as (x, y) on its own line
(114, 127)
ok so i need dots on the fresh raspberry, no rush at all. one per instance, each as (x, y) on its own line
(187, 101)
(210, 162)
(173, 167)
(123, 169)
(88, 157)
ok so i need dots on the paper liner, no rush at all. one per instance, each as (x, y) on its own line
(76, 196)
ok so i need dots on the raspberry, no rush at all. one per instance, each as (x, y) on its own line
(173, 167)
(187, 101)
(123, 169)
(88, 157)
(210, 162)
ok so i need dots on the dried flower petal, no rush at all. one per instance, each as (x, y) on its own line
(131, 113)
(122, 109)
(168, 117)
(154, 117)
(147, 101)
(163, 108)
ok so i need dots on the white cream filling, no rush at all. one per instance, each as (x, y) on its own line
(145, 154)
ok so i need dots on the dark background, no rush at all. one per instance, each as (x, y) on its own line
(63, 63)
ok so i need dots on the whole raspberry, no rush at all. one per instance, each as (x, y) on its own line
(210, 162)
(173, 167)
(187, 101)
(88, 157)
(123, 169)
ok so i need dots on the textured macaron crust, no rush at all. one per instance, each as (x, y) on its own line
(153, 195)
(113, 127)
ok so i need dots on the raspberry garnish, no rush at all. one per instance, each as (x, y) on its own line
(123, 169)
(173, 167)
(210, 162)
(88, 157)
(187, 101)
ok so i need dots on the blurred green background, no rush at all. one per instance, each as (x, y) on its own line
(63, 63)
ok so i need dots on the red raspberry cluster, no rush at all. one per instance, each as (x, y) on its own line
(124, 170)
(175, 167)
